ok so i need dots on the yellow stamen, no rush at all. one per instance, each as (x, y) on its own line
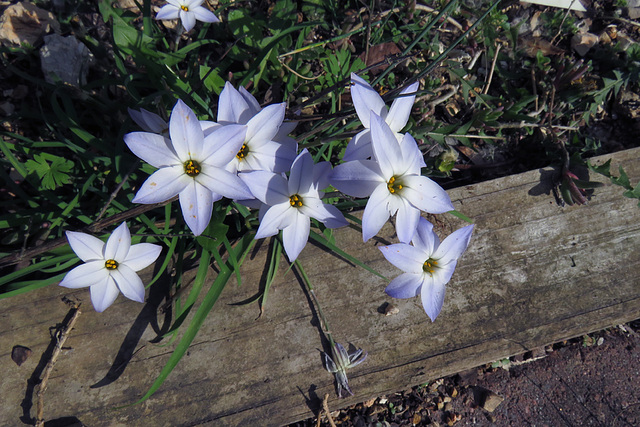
(192, 168)
(185, 8)
(243, 152)
(393, 186)
(111, 264)
(295, 201)
(430, 266)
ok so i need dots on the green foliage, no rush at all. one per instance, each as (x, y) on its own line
(632, 192)
(52, 175)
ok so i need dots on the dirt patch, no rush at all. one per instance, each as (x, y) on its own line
(589, 381)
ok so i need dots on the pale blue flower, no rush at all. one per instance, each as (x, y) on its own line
(266, 146)
(428, 265)
(288, 204)
(188, 11)
(393, 183)
(339, 364)
(366, 100)
(190, 165)
(109, 268)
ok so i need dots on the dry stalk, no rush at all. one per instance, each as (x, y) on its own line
(61, 336)
(325, 406)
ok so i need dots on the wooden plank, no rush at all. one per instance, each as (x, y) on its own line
(534, 274)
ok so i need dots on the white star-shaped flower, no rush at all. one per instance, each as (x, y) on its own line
(188, 11)
(266, 146)
(428, 265)
(366, 100)
(393, 183)
(190, 165)
(289, 204)
(109, 268)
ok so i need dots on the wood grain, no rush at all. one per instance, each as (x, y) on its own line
(535, 273)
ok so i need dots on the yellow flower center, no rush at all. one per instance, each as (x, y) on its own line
(393, 186)
(111, 264)
(430, 266)
(192, 168)
(295, 201)
(243, 152)
(185, 8)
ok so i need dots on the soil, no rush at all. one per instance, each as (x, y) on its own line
(590, 381)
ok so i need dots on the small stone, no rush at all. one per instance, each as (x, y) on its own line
(20, 354)
(390, 310)
(454, 393)
(491, 401)
(583, 42)
(446, 399)
(7, 108)
(600, 341)
(65, 59)
(24, 23)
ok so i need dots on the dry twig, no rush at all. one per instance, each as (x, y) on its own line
(61, 336)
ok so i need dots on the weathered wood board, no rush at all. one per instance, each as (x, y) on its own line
(535, 273)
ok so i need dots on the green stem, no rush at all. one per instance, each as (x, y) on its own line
(323, 319)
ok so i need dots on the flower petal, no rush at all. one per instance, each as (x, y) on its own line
(273, 218)
(358, 178)
(185, 131)
(425, 239)
(412, 157)
(87, 247)
(443, 273)
(301, 177)
(376, 212)
(129, 283)
(432, 295)
(365, 100)
(87, 274)
(359, 147)
(164, 184)
(454, 245)
(168, 11)
(205, 15)
(327, 214)
(196, 202)
(386, 149)
(401, 108)
(118, 244)
(269, 156)
(142, 255)
(188, 20)
(295, 235)
(268, 187)
(222, 145)
(104, 294)
(152, 148)
(148, 121)
(252, 102)
(407, 221)
(264, 125)
(224, 183)
(232, 107)
(404, 286)
(406, 257)
(425, 194)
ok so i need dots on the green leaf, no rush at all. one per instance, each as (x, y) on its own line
(52, 175)
(622, 180)
(210, 299)
(319, 238)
